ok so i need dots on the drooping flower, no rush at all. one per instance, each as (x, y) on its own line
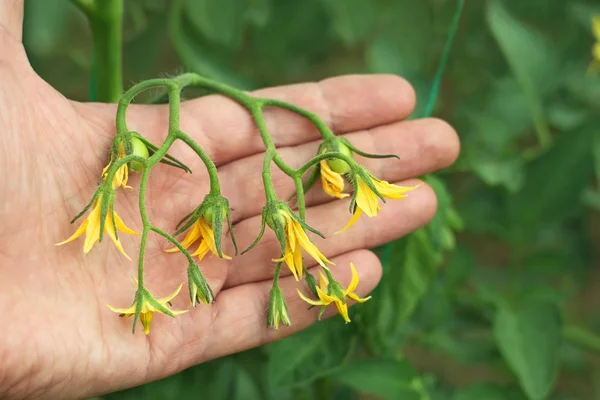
(91, 228)
(333, 293)
(200, 230)
(122, 174)
(367, 200)
(296, 240)
(145, 305)
(333, 182)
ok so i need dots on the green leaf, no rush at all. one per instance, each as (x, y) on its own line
(310, 354)
(529, 339)
(418, 270)
(351, 19)
(530, 58)
(220, 21)
(389, 379)
(554, 182)
(507, 172)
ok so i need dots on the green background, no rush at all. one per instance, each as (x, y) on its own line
(497, 297)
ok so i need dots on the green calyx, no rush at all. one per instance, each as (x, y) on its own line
(354, 149)
(214, 209)
(199, 289)
(151, 148)
(273, 217)
(364, 175)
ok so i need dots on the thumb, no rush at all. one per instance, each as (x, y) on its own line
(11, 21)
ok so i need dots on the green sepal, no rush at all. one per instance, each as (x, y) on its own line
(230, 225)
(87, 207)
(262, 231)
(278, 311)
(322, 312)
(303, 224)
(108, 200)
(352, 180)
(184, 219)
(217, 225)
(311, 283)
(167, 158)
(138, 301)
(367, 155)
(367, 178)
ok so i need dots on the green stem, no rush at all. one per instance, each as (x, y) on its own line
(437, 80)
(277, 272)
(266, 174)
(312, 117)
(300, 197)
(211, 168)
(106, 22)
(141, 256)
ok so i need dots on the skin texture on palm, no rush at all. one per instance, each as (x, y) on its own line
(58, 339)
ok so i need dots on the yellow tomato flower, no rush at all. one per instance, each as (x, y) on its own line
(368, 202)
(595, 64)
(333, 183)
(200, 230)
(336, 295)
(122, 174)
(91, 228)
(296, 240)
(148, 308)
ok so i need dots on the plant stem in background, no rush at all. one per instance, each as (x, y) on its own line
(106, 22)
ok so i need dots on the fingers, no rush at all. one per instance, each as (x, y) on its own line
(241, 312)
(11, 21)
(227, 132)
(423, 145)
(397, 218)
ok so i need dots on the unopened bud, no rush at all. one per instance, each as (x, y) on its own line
(278, 312)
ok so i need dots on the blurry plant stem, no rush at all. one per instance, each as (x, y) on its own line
(106, 23)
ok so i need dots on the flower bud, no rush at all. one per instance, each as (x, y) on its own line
(139, 149)
(198, 287)
(277, 309)
(337, 165)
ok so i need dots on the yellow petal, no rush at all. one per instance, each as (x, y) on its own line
(325, 298)
(309, 246)
(146, 319)
(92, 232)
(366, 199)
(354, 297)
(354, 282)
(343, 310)
(352, 221)
(122, 227)
(309, 301)
(202, 250)
(127, 311)
(192, 235)
(393, 192)
(333, 183)
(77, 233)
(110, 230)
(323, 281)
(170, 297)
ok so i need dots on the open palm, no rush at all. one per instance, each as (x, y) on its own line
(58, 338)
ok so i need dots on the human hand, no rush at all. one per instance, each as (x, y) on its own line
(58, 339)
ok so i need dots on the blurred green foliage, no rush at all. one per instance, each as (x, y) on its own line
(503, 310)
